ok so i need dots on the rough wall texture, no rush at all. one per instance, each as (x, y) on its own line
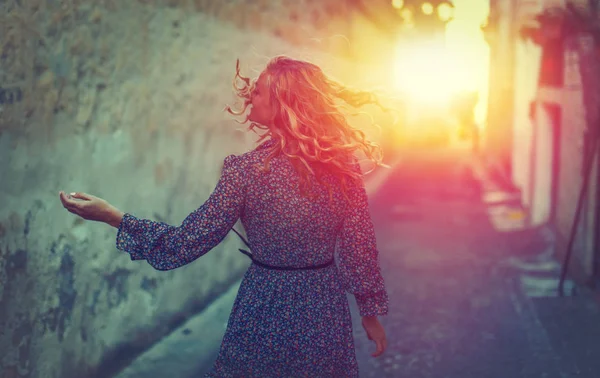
(122, 99)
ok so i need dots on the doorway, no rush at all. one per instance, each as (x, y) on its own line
(546, 164)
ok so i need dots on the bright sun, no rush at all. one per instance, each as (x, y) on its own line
(429, 72)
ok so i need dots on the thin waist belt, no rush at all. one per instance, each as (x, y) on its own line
(311, 267)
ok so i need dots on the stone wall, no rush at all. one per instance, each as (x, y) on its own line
(123, 100)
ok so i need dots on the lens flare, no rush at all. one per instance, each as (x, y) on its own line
(397, 3)
(427, 8)
(407, 16)
(444, 11)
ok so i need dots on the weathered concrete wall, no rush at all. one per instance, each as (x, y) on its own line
(122, 100)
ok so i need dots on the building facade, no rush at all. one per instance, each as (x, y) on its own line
(550, 88)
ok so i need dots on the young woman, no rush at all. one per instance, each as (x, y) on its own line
(298, 194)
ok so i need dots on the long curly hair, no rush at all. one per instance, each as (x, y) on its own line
(309, 125)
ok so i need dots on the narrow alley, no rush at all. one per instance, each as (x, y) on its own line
(487, 112)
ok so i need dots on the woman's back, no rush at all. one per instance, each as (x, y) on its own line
(284, 227)
(296, 322)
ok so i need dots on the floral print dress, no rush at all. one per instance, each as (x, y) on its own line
(284, 323)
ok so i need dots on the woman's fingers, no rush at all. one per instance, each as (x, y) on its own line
(375, 333)
(68, 202)
(74, 197)
(379, 350)
(81, 195)
(380, 343)
(63, 197)
(72, 206)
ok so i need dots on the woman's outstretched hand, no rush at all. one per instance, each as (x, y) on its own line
(376, 333)
(92, 208)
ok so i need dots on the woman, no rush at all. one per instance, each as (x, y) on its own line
(297, 193)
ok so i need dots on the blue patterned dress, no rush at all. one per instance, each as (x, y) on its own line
(284, 323)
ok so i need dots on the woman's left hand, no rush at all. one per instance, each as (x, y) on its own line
(90, 207)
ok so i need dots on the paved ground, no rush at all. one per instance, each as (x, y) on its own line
(453, 311)
(461, 291)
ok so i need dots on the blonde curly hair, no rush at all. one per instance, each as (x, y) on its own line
(309, 125)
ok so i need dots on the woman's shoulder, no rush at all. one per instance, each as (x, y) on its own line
(264, 145)
(256, 154)
(249, 158)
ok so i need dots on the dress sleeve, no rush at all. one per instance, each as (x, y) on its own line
(358, 255)
(167, 247)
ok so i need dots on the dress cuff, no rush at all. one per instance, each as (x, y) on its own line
(375, 304)
(126, 240)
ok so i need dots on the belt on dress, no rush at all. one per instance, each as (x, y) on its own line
(267, 266)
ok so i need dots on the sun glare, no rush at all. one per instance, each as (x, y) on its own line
(427, 8)
(397, 4)
(431, 72)
(424, 72)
